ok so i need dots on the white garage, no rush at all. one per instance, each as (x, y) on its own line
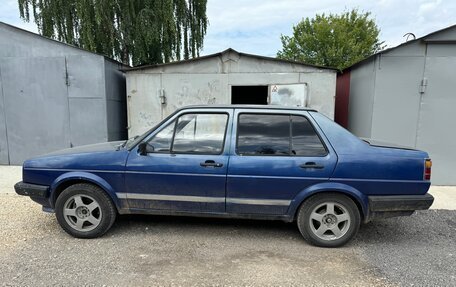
(228, 77)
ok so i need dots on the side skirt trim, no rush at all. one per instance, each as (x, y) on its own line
(207, 199)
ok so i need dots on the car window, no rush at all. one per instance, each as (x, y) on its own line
(162, 140)
(263, 134)
(200, 133)
(279, 135)
(305, 141)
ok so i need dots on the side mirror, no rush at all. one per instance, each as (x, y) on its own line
(144, 148)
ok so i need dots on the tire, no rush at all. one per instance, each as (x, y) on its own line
(328, 219)
(85, 211)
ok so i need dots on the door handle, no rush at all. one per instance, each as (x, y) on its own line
(211, 163)
(311, 164)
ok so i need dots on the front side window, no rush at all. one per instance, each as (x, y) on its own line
(269, 134)
(161, 142)
(192, 133)
(200, 133)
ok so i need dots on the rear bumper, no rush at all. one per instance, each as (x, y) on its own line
(397, 205)
(32, 190)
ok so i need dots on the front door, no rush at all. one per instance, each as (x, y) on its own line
(186, 166)
(276, 155)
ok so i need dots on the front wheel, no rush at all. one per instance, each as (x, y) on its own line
(328, 219)
(85, 211)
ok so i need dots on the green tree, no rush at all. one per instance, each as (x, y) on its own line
(332, 40)
(132, 31)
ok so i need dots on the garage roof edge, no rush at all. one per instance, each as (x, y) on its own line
(423, 39)
(219, 54)
(59, 42)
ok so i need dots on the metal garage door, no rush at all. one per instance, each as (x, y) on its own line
(4, 158)
(437, 118)
(36, 114)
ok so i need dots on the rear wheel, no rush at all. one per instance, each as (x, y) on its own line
(85, 211)
(328, 219)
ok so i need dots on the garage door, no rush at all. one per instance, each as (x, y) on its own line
(36, 114)
(437, 120)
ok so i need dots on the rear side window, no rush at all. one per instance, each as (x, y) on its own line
(277, 135)
(305, 141)
(260, 134)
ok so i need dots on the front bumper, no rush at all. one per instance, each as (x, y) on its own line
(397, 205)
(32, 190)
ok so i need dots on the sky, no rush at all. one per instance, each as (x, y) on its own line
(255, 26)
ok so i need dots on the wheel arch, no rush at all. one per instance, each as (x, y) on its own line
(358, 198)
(67, 179)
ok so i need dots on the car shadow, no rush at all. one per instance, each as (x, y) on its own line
(206, 226)
(394, 230)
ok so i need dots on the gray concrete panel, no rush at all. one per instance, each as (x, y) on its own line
(36, 106)
(187, 89)
(232, 63)
(254, 65)
(143, 102)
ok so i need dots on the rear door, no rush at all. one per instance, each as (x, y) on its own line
(275, 155)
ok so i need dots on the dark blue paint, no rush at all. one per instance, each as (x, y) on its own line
(351, 166)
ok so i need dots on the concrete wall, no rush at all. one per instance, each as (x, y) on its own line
(406, 96)
(209, 81)
(54, 96)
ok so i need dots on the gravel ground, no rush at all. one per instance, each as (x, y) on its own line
(412, 251)
(151, 250)
(175, 251)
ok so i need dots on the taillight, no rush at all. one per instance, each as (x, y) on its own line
(427, 169)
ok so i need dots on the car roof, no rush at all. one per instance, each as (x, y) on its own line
(263, 107)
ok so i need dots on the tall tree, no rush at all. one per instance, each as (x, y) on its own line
(132, 31)
(332, 40)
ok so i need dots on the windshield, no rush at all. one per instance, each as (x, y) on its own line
(130, 143)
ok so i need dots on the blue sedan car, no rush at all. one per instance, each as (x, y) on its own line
(257, 162)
